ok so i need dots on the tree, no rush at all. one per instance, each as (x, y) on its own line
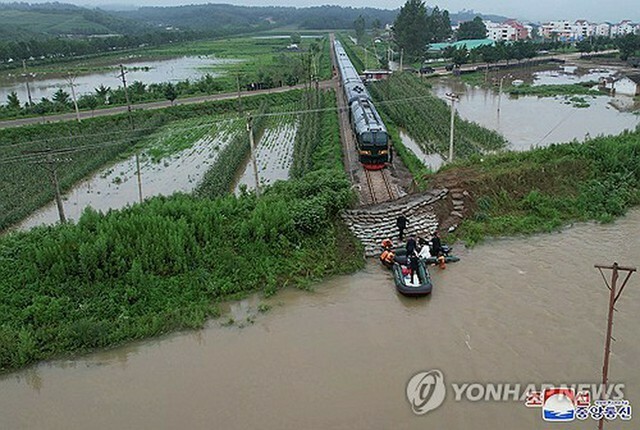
(438, 25)
(89, 101)
(472, 29)
(61, 98)
(376, 24)
(627, 45)
(410, 29)
(359, 26)
(170, 93)
(296, 38)
(102, 93)
(13, 102)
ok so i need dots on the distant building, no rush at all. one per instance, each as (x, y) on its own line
(510, 30)
(603, 29)
(469, 44)
(624, 27)
(628, 84)
(376, 75)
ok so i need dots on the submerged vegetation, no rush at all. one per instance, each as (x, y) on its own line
(409, 103)
(85, 147)
(543, 189)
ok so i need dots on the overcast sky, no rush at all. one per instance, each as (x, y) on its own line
(535, 10)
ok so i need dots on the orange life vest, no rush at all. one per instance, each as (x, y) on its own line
(387, 257)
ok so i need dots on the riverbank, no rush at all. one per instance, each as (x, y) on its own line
(541, 190)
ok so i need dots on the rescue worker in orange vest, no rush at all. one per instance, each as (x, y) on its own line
(387, 257)
(387, 244)
(442, 261)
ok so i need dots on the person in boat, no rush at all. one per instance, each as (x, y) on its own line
(387, 244)
(414, 265)
(442, 261)
(401, 223)
(436, 244)
(411, 246)
(424, 251)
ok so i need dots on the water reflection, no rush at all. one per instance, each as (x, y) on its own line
(532, 121)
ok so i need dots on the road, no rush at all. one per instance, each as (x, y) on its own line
(151, 105)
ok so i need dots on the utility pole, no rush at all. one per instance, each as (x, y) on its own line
(70, 80)
(126, 93)
(500, 90)
(253, 154)
(453, 97)
(614, 295)
(239, 97)
(51, 165)
(126, 96)
(401, 58)
(26, 79)
(139, 177)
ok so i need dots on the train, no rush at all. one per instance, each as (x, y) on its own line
(372, 139)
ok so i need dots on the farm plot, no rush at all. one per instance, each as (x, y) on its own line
(408, 102)
(174, 160)
(274, 153)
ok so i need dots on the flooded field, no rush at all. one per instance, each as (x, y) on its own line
(432, 160)
(563, 75)
(273, 158)
(513, 311)
(529, 121)
(117, 186)
(147, 72)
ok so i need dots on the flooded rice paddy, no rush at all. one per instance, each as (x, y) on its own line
(117, 186)
(523, 310)
(274, 156)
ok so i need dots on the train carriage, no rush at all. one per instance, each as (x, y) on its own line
(372, 139)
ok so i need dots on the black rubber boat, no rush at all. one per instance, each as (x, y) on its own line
(406, 287)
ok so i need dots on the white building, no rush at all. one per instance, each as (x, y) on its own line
(622, 28)
(603, 29)
(509, 30)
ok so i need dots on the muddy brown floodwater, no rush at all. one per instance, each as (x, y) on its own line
(524, 310)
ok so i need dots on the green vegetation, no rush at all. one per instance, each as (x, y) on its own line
(408, 102)
(554, 90)
(254, 64)
(414, 28)
(220, 178)
(165, 264)
(409, 159)
(87, 146)
(544, 189)
(474, 29)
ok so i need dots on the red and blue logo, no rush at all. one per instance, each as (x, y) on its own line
(558, 405)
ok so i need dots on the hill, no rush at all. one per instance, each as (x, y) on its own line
(23, 20)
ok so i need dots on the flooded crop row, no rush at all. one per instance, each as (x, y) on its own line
(173, 160)
(274, 156)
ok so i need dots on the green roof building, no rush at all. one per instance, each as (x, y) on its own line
(469, 44)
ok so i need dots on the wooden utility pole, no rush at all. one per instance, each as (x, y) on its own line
(26, 79)
(401, 59)
(51, 165)
(614, 295)
(500, 90)
(139, 177)
(453, 97)
(126, 93)
(239, 97)
(70, 80)
(253, 154)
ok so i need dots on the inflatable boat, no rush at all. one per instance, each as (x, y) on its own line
(406, 286)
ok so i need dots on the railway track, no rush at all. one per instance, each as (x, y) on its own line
(378, 187)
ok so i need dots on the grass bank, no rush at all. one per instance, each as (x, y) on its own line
(544, 189)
